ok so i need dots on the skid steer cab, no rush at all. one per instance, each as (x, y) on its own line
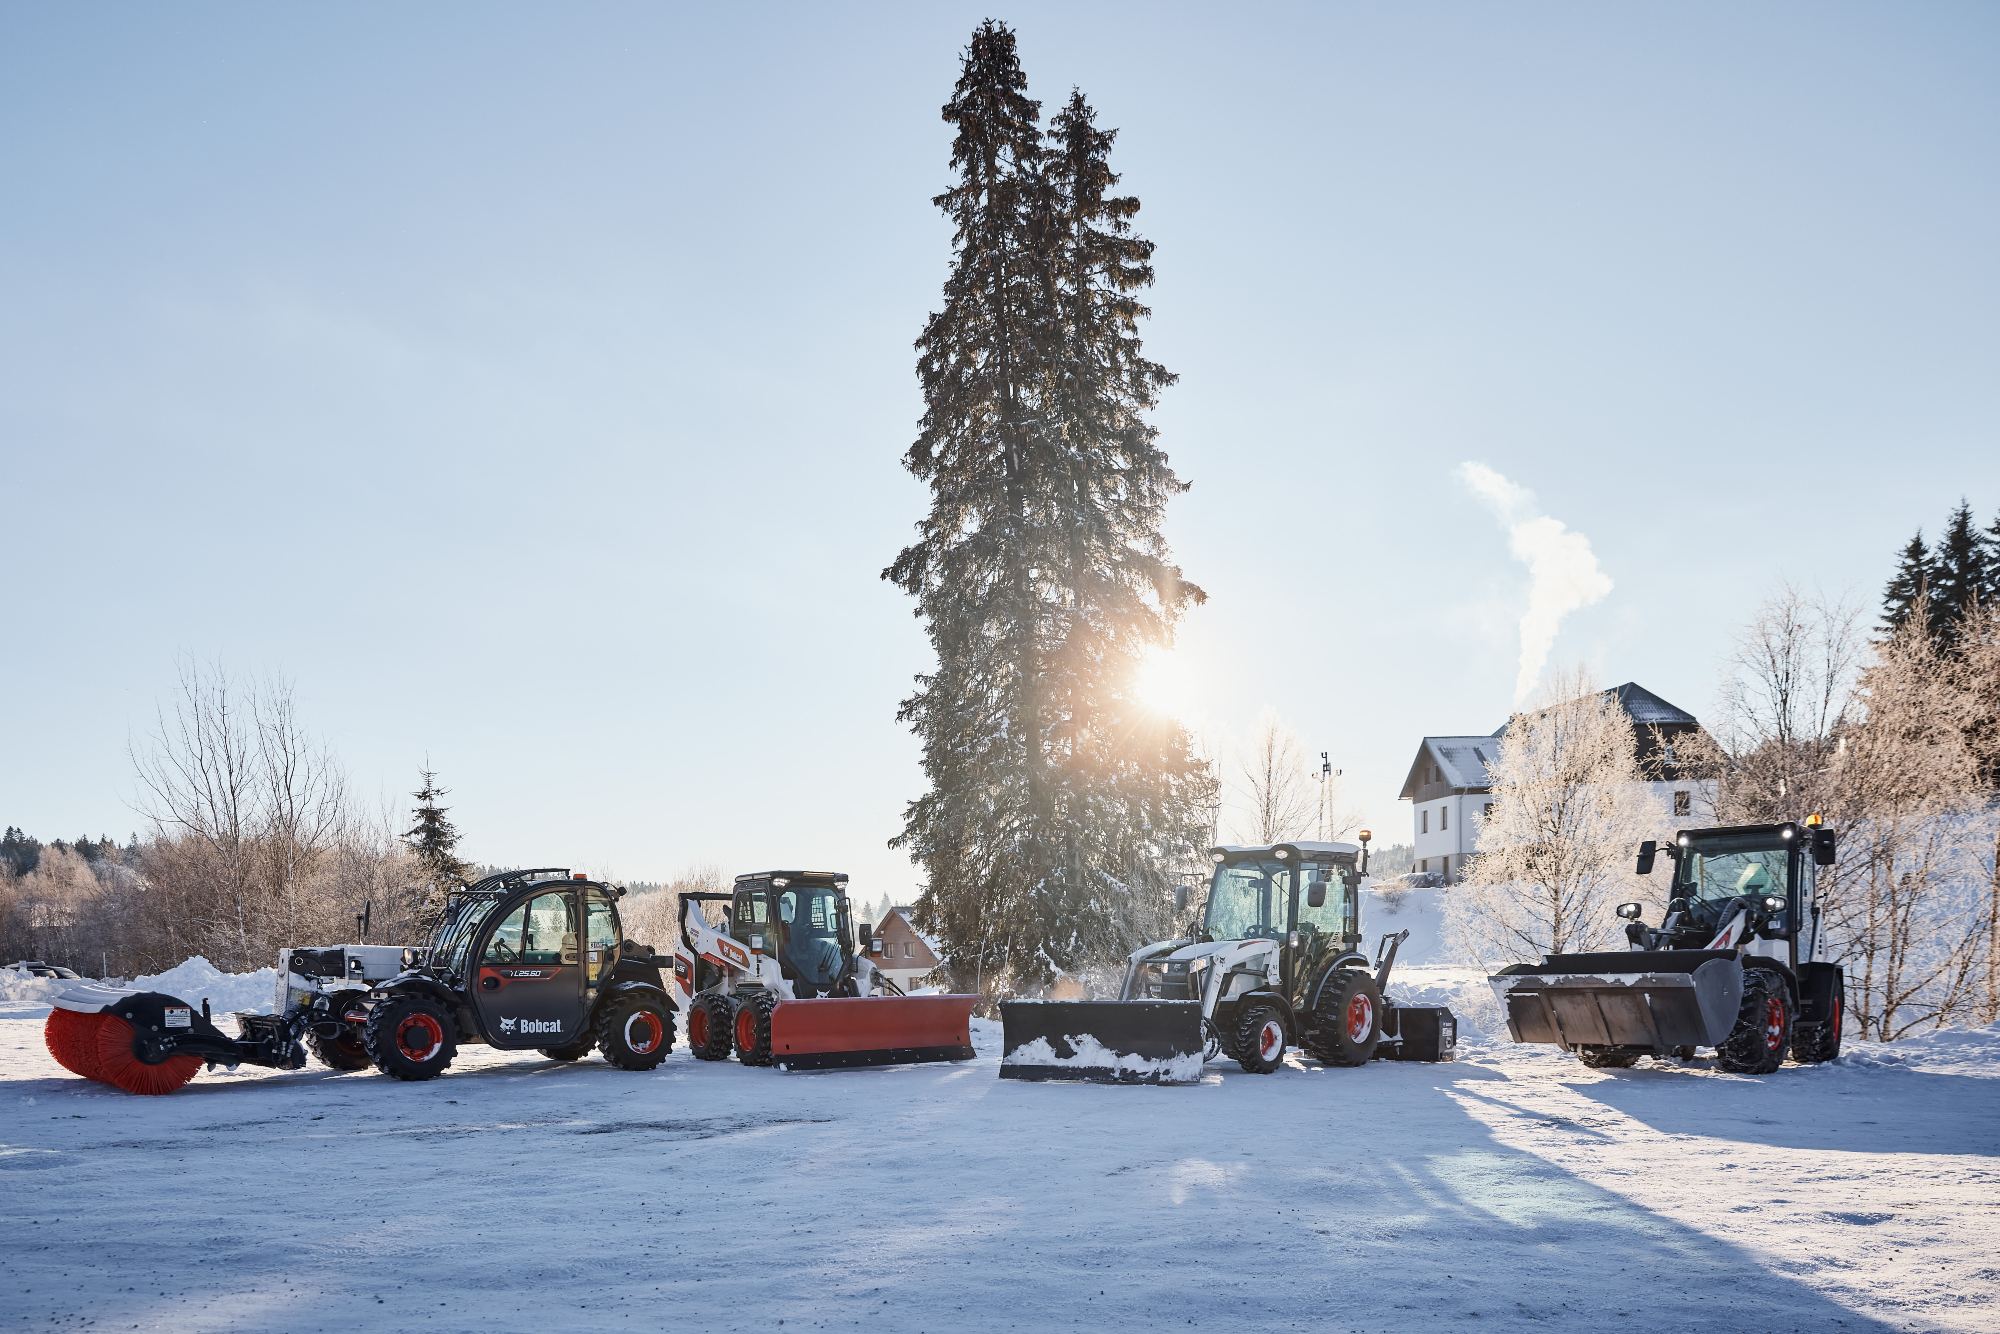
(527, 959)
(781, 982)
(1274, 961)
(1735, 963)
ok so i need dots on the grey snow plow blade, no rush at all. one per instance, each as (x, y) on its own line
(1657, 999)
(1102, 1042)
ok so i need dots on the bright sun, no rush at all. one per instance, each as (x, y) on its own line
(1162, 683)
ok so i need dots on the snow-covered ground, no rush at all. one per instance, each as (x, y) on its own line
(1510, 1190)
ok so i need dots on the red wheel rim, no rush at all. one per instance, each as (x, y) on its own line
(1360, 1017)
(1774, 1022)
(698, 1027)
(642, 1031)
(419, 1036)
(1271, 1040)
(746, 1029)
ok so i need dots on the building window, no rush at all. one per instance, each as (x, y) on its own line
(909, 949)
(1423, 822)
(1444, 818)
(1424, 865)
(1670, 752)
(1683, 804)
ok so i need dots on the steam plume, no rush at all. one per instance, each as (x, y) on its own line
(1562, 569)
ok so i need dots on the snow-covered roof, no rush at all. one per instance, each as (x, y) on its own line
(1463, 760)
(1648, 709)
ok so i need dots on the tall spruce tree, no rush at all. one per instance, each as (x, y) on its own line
(1911, 582)
(1961, 576)
(1055, 801)
(434, 840)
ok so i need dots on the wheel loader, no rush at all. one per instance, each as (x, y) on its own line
(531, 959)
(1275, 962)
(1736, 964)
(782, 983)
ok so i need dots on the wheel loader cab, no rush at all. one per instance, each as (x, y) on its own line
(1761, 871)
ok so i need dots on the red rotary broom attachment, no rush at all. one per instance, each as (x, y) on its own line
(139, 1041)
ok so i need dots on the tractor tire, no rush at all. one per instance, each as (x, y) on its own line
(575, 1051)
(1260, 1039)
(753, 1027)
(1348, 1019)
(1822, 1041)
(635, 1032)
(349, 1051)
(709, 1025)
(1607, 1058)
(1763, 1027)
(410, 1037)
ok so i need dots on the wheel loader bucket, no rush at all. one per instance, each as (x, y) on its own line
(1102, 1042)
(837, 1033)
(1657, 999)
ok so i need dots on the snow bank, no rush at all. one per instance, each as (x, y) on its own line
(20, 988)
(1958, 1051)
(1094, 1055)
(1388, 906)
(226, 993)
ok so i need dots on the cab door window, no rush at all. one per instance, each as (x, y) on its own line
(600, 937)
(549, 933)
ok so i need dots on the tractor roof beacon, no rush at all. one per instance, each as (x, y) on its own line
(1735, 964)
(525, 959)
(1274, 960)
(782, 983)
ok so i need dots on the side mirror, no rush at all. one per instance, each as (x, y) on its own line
(1647, 851)
(1822, 847)
(1180, 898)
(1630, 911)
(1316, 894)
(864, 934)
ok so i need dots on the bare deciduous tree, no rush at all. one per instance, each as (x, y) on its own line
(1281, 794)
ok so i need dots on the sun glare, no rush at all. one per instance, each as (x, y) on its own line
(1162, 683)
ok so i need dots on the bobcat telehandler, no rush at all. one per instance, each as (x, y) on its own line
(1735, 964)
(782, 982)
(1276, 962)
(526, 959)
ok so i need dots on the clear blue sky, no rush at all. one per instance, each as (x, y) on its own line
(529, 382)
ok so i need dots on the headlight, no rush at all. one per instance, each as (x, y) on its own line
(1196, 965)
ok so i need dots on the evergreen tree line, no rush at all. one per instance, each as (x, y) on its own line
(1940, 585)
(1058, 807)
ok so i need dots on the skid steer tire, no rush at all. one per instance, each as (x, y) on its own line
(753, 1028)
(635, 1032)
(1260, 1039)
(410, 1037)
(349, 1051)
(1606, 1058)
(1348, 1019)
(1763, 1027)
(1821, 1042)
(709, 1024)
(575, 1051)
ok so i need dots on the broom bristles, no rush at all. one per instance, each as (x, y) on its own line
(72, 1039)
(118, 1067)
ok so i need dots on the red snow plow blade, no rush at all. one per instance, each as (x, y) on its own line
(835, 1034)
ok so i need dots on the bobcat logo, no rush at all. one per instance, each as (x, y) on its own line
(507, 1025)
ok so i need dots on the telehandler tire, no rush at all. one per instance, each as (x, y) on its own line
(1822, 1042)
(349, 1051)
(411, 1037)
(1606, 1058)
(1763, 1029)
(709, 1024)
(1348, 1019)
(1260, 1039)
(635, 1032)
(575, 1051)
(753, 1028)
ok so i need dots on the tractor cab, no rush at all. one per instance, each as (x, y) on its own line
(802, 920)
(1303, 897)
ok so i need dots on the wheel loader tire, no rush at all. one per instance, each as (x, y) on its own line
(1763, 1027)
(1822, 1042)
(410, 1037)
(635, 1032)
(1348, 1020)
(1606, 1058)
(349, 1051)
(575, 1051)
(709, 1024)
(753, 1028)
(1260, 1039)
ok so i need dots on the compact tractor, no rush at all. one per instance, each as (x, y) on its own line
(528, 959)
(781, 982)
(1736, 964)
(1276, 962)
